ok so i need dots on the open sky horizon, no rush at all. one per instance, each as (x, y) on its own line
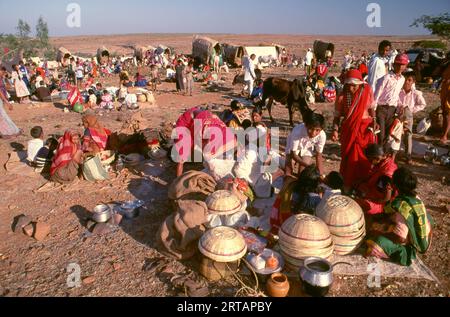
(293, 17)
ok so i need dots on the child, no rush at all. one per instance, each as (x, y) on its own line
(395, 137)
(410, 102)
(107, 101)
(306, 198)
(80, 75)
(35, 144)
(92, 102)
(154, 75)
(332, 186)
(411, 225)
(189, 75)
(44, 157)
(306, 143)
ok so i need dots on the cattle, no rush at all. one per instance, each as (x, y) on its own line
(290, 93)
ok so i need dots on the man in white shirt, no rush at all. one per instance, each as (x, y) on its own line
(306, 141)
(308, 61)
(249, 73)
(386, 96)
(410, 102)
(377, 65)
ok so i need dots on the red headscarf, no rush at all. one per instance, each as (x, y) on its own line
(65, 152)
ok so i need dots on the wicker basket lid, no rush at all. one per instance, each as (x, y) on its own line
(305, 227)
(341, 213)
(223, 244)
(223, 202)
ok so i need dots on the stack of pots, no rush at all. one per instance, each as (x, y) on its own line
(303, 236)
(346, 222)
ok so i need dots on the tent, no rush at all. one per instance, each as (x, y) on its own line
(63, 56)
(103, 55)
(205, 49)
(141, 51)
(320, 49)
(233, 54)
(264, 54)
(161, 49)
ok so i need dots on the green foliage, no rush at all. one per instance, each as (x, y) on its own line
(42, 31)
(38, 46)
(23, 29)
(437, 25)
(431, 44)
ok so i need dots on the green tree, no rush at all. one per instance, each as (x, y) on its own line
(42, 31)
(23, 29)
(437, 25)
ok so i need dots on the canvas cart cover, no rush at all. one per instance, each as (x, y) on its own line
(320, 49)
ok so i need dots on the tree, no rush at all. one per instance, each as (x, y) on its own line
(42, 31)
(438, 25)
(23, 29)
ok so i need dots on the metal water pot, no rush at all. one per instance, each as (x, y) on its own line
(431, 154)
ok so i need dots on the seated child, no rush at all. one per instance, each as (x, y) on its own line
(107, 101)
(44, 157)
(333, 185)
(410, 229)
(35, 144)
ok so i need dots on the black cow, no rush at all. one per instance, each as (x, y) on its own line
(290, 93)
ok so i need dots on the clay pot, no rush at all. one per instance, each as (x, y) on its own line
(277, 285)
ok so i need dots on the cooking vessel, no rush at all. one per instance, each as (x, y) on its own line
(101, 213)
(131, 209)
(431, 154)
(317, 276)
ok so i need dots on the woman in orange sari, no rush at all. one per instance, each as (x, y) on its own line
(356, 106)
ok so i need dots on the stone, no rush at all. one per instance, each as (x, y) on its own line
(89, 280)
(117, 218)
(29, 230)
(20, 222)
(41, 230)
(117, 266)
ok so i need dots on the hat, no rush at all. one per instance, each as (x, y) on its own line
(354, 77)
(402, 59)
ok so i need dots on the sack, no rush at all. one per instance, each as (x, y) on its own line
(93, 169)
(423, 126)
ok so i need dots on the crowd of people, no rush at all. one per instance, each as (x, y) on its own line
(375, 106)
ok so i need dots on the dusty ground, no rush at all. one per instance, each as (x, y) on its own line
(115, 264)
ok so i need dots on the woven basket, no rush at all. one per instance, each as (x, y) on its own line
(305, 231)
(342, 214)
(223, 202)
(223, 244)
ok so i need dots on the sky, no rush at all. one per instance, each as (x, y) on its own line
(306, 17)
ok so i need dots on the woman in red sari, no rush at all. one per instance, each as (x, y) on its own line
(356, 106)
(375, 190)
(95, 136)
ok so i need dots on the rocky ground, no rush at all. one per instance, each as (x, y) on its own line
(124, 262)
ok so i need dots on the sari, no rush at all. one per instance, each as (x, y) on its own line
(64, 153)
(412, 224)
(7, 126)
(282, 208)
(95, 136)
(369, 188)
(355, 135)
